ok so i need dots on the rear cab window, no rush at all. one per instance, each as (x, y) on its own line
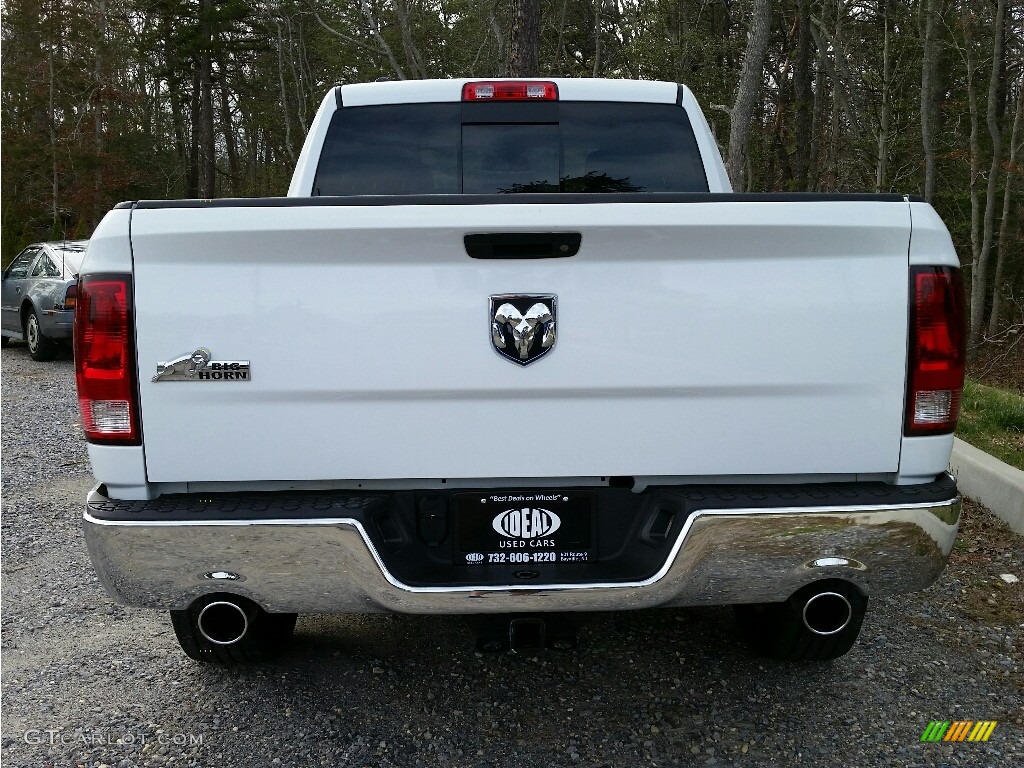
(510, 148)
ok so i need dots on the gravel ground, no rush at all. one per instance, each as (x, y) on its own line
(89, 683)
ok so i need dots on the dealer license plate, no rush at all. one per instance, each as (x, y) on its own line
(524, 528)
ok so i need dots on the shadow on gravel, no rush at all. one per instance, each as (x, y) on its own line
(400, 689)
(18, 349)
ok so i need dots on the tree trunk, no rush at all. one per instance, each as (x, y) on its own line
(524, 41)
(817, 120)
(979, 291)
(560, 47)
(778, 138)
(412, 54)
(56, 227)
(192, 172)
(626, 22)
(307, 74)
(228, 127)
(881, 166)
(98, 208)
(375, 31)
(997, 282)
(833, 43)
(975, 147)
(284, 99)
(680, 47)
(208, 148)
(492, 19)
(295, 59)
(802, 95)
(928, 63)
(749, 87)
(845, 141)
(175, 94)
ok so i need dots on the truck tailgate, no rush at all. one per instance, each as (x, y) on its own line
(703, 338)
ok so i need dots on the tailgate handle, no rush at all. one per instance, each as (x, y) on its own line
(523, 245)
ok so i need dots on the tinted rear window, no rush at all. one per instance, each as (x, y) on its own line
(416, 149)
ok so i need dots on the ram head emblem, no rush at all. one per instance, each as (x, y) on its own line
(523, 327)
(187, 366)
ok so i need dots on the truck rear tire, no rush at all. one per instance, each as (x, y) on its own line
(781, 630)
(263, 635)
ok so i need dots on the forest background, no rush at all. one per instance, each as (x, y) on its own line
(110, 100)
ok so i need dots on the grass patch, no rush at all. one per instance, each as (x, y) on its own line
(993, 420)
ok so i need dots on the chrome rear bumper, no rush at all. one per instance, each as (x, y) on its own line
(330, 565)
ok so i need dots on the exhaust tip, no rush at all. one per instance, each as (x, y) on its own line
(223, 622)
(827, 613)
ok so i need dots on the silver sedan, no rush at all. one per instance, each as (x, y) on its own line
(39, 291)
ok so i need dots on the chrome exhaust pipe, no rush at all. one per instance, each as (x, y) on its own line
(223, 622)
(827, 613)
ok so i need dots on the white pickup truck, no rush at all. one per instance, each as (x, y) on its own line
(515, 349)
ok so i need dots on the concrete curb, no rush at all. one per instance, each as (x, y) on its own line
(989, 481)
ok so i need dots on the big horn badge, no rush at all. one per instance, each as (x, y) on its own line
(523, 326)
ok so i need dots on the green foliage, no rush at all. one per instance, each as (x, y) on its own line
(993, 420)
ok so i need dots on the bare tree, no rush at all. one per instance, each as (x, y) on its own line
(979, 277)
(997, 281)
(881, 167)
(928, 64)
(296, 56)
(974, 142)
(524, 42)
(492, 20)
(207, 147)
(560, 47)
(228, 131)
(289, 147)
(802, 95)
(54, 157)
(374, 25)
(817, 112)
(98, 109)
(413, 57)
(749, 87)
(845, 98)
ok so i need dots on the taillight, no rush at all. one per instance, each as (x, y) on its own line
(71, 296)
(105, 360)
(510, 90)
(937, 350)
